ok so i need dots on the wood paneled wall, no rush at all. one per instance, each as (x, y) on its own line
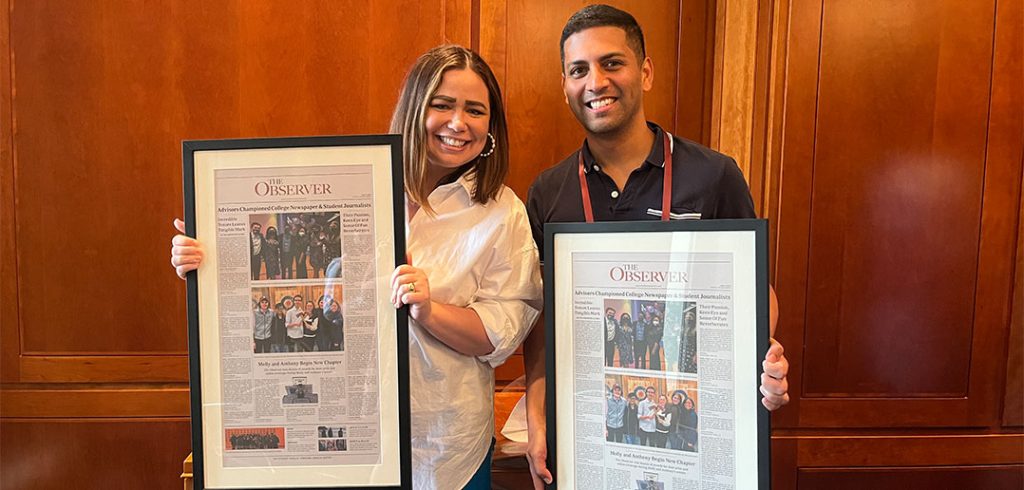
(884, 143)
(95, 98)
(888, 141)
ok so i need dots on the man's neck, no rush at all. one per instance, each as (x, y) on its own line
(623, 151)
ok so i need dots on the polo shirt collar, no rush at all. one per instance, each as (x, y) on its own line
(656, 157)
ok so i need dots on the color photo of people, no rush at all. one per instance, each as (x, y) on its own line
(650, 411)
(254, 438)
(294, 245)
(651, 335)
(296, 319)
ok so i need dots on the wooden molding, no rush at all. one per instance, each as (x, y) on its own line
(732, 115)
(104, 369)
(170, 400)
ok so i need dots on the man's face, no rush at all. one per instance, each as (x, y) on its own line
(264, 304)
(617, 392)
(610, 313)
(256, 227)
(650, 394)
(298, 301)
(604, 79)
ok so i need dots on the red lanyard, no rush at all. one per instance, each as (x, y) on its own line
(666, 190)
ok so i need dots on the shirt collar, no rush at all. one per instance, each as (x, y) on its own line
(655, 157)
(463, 177)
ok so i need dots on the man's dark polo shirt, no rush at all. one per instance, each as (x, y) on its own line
(703, 181)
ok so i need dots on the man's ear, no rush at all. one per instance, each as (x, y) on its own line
(564, 94)
(647, 73)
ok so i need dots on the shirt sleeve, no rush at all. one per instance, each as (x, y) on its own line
(509, 297)
(533, 211)
(734, 201)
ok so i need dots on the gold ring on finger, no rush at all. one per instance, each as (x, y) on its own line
(412, 287)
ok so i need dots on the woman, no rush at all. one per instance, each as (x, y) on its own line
(336, 326)
(675, 433)
(624, 338)
(300, 247)
(663, 422)
(473, 285)
(272, 254)
(310, 325)
(688, 425)
(277, 330)
(316, 249)
(473, 288)
(655, 331)
(323, 334)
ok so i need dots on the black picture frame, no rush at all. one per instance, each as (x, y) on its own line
(758, 227)
(390, 143)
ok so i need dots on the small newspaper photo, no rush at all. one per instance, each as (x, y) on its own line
(297, 316)
(652, 383)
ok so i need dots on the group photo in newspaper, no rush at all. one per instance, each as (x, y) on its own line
(298, 326)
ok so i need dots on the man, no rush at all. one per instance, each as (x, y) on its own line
(293, 323)
(610, 327)
(646, 412)
(256, 242)
(615, 417)
(263, 317)
(605, 72)
(631, 427)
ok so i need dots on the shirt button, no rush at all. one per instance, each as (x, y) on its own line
(615, 194)
(597, 168)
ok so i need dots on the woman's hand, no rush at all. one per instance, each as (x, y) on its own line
(186, 252)
(409, 286)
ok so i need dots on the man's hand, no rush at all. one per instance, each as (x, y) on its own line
(537, 456)
(186, 252)
(774, 386)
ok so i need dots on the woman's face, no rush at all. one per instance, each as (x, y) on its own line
(662, 401)
(309, 306)
(677, 399)
(457, 120)
(334, 306)
(688, 404)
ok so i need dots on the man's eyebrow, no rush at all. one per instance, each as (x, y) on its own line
(616, 54)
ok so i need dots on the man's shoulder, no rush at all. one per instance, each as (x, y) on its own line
(693, 153)
(556, 174)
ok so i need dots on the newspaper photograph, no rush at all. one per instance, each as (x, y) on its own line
(297, 317)
(652, 383)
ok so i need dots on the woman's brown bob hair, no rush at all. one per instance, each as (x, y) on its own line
(409, 120)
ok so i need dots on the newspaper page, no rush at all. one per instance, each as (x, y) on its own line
(297, 316)
(652, 384)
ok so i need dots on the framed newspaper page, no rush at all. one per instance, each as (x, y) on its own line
(655, 333)
(298, 361)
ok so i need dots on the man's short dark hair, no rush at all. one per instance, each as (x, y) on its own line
(604, 15)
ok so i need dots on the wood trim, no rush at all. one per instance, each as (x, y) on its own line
(458, 22)
(733, 97)
(999, 215)
(493, 22)
(10, 337)
(169, 400)
(104, 369)
(909, 450)
(1007, 125)
(696, 35)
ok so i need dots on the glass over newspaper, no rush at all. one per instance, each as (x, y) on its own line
(660, 385)
(298, 333)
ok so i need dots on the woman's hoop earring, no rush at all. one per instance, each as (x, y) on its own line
(494, 145)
